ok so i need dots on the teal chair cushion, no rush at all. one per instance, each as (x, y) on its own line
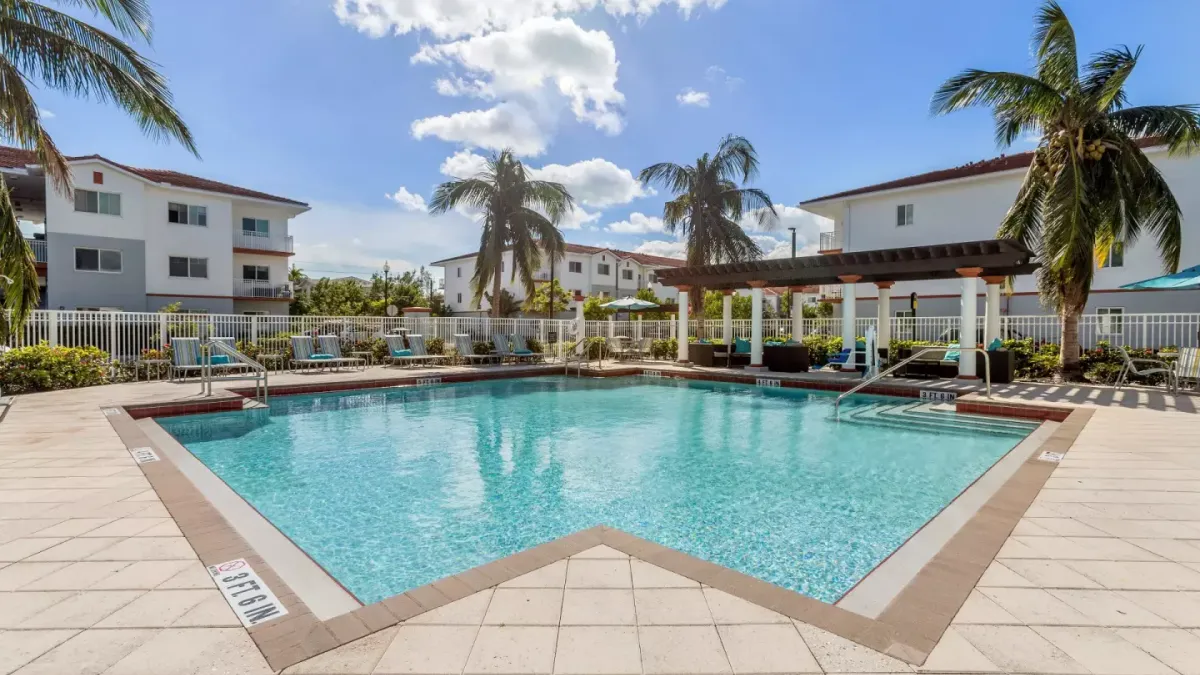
(953, 354)
(321, 357)
(523, 352)
(995, 344)
(705, 341)
(741, 346)
(401, 352)
(219, 359)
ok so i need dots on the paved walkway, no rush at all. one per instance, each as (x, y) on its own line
(1102, 576)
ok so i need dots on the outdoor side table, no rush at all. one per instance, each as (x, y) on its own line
(267, 359)
(148, 363)
(367, 357)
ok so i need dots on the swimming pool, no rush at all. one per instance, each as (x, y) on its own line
(392, 489)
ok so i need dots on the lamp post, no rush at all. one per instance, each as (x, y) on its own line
(793, 241)
(386, 270)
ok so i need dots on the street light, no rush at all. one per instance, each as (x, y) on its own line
(793, 241)
(386, 269)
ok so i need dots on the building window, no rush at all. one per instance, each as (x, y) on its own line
(90, 201)
(602, 269)
(627, 275)
(256, 273)
(257, 312)
(1111, 320)
(97, 260)
(904, 314)
(256, 227)
(1116, 255)
(575, 266)
(98, 309)
(502, 266)
(904, 215)
(186, 214)
(184, 267)
(195, 311)
(459, 301)
(458, 272)
(652, 277)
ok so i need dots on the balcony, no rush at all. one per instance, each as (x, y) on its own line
(829, 243)
(39, 250)
(831, 292)
(243, 288)
(269, 245)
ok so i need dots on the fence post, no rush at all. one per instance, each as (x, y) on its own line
(113, 351)
(162, 329)
(254, 328)
(52, 328)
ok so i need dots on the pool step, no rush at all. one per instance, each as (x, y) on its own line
(934, 416)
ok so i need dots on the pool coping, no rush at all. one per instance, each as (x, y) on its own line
(907, 629)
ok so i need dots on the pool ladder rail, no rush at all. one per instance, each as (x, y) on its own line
(580, 355)
(987, 374)
(258, 372)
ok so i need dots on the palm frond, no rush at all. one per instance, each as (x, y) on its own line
(130, 17)
(1069, 231)
(553, 198)
(736, 160)
(1177, 125)
(675, 178)
(21, 122)
(474, 193)
(1023, 222)
(1104, 83)
(16, 263)
(1058, 61)
(974, 87)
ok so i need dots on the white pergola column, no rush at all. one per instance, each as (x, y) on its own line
(580, 325)
(727, 318)
(681, 334)
(797, 312)
(968, 315)
(756, 326)
(883, 318)
(991, 310)
(849, 311)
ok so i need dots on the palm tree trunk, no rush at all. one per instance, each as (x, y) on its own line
(496, 293)
(1068, 354)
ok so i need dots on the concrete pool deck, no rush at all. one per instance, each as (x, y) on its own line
(1101, 575)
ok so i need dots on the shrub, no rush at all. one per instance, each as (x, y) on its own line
(43, 368)
(820, 347)
(535, 345)
(435, 345)
(481, 347)
(664, 349)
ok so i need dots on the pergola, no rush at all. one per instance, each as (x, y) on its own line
(992, 260)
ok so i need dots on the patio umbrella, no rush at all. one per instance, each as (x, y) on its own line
(1184, 279)
(629, 305)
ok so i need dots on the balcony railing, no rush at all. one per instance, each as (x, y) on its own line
(831, 292)
(276, 244)
(243, 288)
(39, 250)
(829, 242)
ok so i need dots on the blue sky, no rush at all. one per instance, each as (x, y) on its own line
(335, 102)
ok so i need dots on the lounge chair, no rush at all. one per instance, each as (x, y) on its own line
(466, 350)
(303, 355)
(331, 345)
(500, 342)
(185, 358)
(1145, 368)
(520, 348)
(1187, 367)
(646, 348)
(417, 344)
(401, 354)
(222, 361)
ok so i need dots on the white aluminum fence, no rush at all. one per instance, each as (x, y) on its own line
(126, 335)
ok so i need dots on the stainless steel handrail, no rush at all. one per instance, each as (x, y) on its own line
(580, 352)
(240, 358)
(987, 373)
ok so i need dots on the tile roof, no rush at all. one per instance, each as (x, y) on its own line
(642, 258)
(19, 158)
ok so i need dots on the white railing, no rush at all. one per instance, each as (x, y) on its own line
(277, 244)
(828, 242)
(244, 288)
(40, 253)
(126, 335)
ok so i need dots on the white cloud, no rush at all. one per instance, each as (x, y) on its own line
(581, 65)
(592, 182)
(463, 164)
(663, 248)
(690, 96)
(457, 86)
(408, 200)
(46, 114)
(718, 75)
(505, 126)
(577, 218)
(637, 223)
(447, 19)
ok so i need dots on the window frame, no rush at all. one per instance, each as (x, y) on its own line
(1107, 325)
(81, 192)
(603, 269)
(575, 266)
(99, 257)
(190, 267)
(256, 232)
(904, 215)
(1115, 250)
(458, 301)
(191, 214)
(625, 272)
(257, 268)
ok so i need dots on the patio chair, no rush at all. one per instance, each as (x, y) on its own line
(645, 348)
(221, 361)
(466, 350)
(417, 344)
(401, 354)
(1145, 368)
(500, 342)
(303, 354)
(1187, 367)
(185, 358)
(330, 344)
(521, 348)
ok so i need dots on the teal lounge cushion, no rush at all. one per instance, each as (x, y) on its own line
(953, 354)
(321, 357)
(772, 343)
(523, 352)
(400, 352)
(790, 342)
(741, 346)
(996, 344)
(219, 359)
(705, 341)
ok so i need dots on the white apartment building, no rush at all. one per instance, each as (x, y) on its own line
(584, 270)
(136, 239)
(967, 203)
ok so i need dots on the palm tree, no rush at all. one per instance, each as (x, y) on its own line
(61, 52)
(518, 214)
(708, 204)
(1090, 187)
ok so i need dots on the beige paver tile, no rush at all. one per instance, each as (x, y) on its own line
(553, 575)
(512, 649)
(601, 552)
(646, 575)
(430, 650)
(12, 529)
(126, 527)
(1049, 574)
(13, 576)
(91, 652)
(82, 609)
(466, 611)
(1181, 608)
(213, 610)
(597, 650)
(670, 650)
(771, 648)
(20, 549)
(598, 607)
(1019, 649)
(953, 654)
(1108, 608)
(195, 650)
(524, 607)
(17, 607)
(356, 658)
(148, 548)
(585, 573)
(167, 528)
(980, 609)
(1177, 648)
(194, 575)
(154, 609)
(18, 647)
(146, 574)
(1178, 550)
(1064, 527)
(73, 527)
(1142, 576)
(1102, 651)
(836, 654)
(76, 576)
(998, 575)
(730, 609)
(671, 607)
(75, 549)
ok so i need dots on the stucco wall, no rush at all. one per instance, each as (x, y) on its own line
(67, 288)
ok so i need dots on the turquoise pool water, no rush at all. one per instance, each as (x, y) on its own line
(392, 489)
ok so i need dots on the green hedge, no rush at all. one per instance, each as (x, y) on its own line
(45, 368)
